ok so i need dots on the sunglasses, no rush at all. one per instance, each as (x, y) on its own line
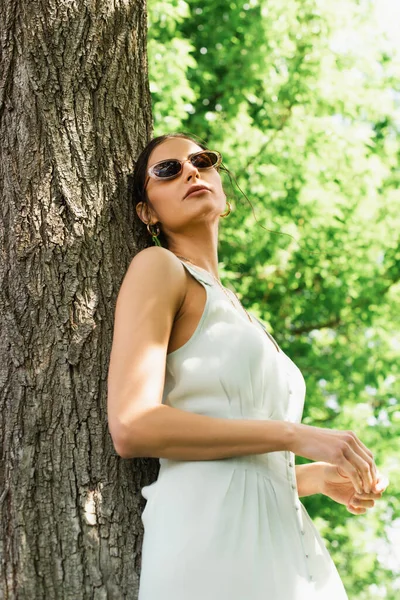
(172, 167)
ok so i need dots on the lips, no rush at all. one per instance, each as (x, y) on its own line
(196, 188)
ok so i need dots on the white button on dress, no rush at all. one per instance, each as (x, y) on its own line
(232, 529)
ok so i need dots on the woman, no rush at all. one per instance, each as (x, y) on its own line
(197, 382)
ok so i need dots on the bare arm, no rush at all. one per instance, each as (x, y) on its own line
(166, 432)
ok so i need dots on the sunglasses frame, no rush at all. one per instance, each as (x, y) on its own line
(150, 171)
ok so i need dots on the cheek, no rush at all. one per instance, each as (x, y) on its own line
(163, 195)
(222, 192)
(217, 184)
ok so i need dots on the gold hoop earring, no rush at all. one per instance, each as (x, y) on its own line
(154, 235)
(225, 214)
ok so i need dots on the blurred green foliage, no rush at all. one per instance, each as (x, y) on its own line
(302, 98)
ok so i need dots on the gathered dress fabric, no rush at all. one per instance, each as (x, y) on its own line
(233, 528)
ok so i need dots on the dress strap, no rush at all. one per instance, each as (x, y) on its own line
(198, 274)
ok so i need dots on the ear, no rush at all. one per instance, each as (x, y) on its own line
(142, 211)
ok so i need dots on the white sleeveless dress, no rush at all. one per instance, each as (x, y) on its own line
(232, 529)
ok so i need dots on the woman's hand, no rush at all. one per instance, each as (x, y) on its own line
(341, 449)
(337, 485)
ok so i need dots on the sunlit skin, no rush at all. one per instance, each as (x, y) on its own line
(339, 487)
(190, 224)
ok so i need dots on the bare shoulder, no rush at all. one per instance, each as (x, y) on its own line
(157, 258)
(157, 270)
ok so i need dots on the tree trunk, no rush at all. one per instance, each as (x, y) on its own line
(74, 113)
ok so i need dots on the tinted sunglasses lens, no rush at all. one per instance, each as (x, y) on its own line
(205, 160)
(168, 168)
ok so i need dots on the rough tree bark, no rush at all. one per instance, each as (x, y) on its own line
(74, 112)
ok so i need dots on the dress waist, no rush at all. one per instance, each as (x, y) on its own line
(275, 465)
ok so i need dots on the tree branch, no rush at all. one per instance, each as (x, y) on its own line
(310, 327)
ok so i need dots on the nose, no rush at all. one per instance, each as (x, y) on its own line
(189, 169)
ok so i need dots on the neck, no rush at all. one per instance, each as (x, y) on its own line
(192, 262)
(206, 257)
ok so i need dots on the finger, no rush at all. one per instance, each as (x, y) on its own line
(366, 454)
(363, 467)
(370, 476)
(370, 496)
(364, 447)
(379, 488)
(355, 503)
(351, 472)
(362, 482)
(376, 491)
(356, 511)
(382, 483)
